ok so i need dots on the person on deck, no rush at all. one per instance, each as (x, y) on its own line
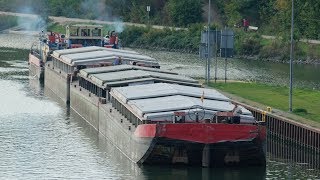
(116, 41)
(236, 113)
(117, 61)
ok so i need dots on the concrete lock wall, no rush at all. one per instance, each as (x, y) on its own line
(57, 83)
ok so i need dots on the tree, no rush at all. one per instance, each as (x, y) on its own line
(183, 13)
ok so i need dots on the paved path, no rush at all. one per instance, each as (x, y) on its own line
(310, 41)
(65, 20)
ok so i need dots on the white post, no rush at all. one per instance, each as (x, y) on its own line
(148, 9)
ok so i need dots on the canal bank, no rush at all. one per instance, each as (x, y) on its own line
(262, 96)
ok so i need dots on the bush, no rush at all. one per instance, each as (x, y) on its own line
(300, 111)
(145, 37)
(7, 21)
(246, 43)
(281, 50)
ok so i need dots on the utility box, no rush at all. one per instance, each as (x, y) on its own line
(214, 40)
(227, 43)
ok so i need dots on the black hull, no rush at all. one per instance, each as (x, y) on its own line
(242, 153)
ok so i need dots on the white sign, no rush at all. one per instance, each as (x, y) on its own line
(148, 8)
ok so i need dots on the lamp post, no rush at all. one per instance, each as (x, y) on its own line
(148, 9)
(291, 57)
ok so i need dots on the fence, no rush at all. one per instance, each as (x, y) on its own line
(289, 140)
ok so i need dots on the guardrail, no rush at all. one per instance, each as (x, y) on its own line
(290, 140)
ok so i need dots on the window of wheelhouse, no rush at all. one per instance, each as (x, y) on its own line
(96, 32)
(74, 31)
(85, 32)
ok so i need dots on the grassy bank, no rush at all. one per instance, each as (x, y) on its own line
(305, 102)
(7, 22)
(13, 53)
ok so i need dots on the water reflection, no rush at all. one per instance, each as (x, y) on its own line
(245, 70)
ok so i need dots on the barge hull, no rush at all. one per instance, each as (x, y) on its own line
(35, 68)
(205, 144)
(242, 153)
(111, 124)
(58, 82)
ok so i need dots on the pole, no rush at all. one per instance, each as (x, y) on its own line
(149, 18)
(216, 58)
(148, 9)
(291, 57)
(225, 55)
(206, 69)
(208, 41)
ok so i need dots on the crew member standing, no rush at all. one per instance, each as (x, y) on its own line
(116, 41)
(245, 24)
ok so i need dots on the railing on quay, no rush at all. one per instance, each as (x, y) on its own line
(290, 140)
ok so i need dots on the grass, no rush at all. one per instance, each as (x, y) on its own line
(13, 53)
(265, 42)
(306, 103)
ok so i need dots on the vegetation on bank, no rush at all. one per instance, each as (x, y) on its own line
(247, 44)
(305, 102)
(7, 22)
(272, 17)
(13, 53)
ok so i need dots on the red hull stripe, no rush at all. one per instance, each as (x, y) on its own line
(202, 133)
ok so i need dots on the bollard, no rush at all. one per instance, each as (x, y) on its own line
(264, 116)
(269, 109)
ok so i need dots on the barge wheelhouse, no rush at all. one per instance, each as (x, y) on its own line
(79, 35)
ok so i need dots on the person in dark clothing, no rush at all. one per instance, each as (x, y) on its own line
(245, 24)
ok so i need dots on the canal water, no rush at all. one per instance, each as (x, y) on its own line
(41, 138)
(305, 76)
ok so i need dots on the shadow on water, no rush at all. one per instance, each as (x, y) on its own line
(190, 173)
(301, 159)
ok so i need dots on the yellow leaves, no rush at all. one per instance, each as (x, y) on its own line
(282, 4)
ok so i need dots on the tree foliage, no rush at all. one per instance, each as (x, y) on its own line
(185, 12)
(271, 16)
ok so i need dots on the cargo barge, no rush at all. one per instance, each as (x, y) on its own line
(154, 116)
